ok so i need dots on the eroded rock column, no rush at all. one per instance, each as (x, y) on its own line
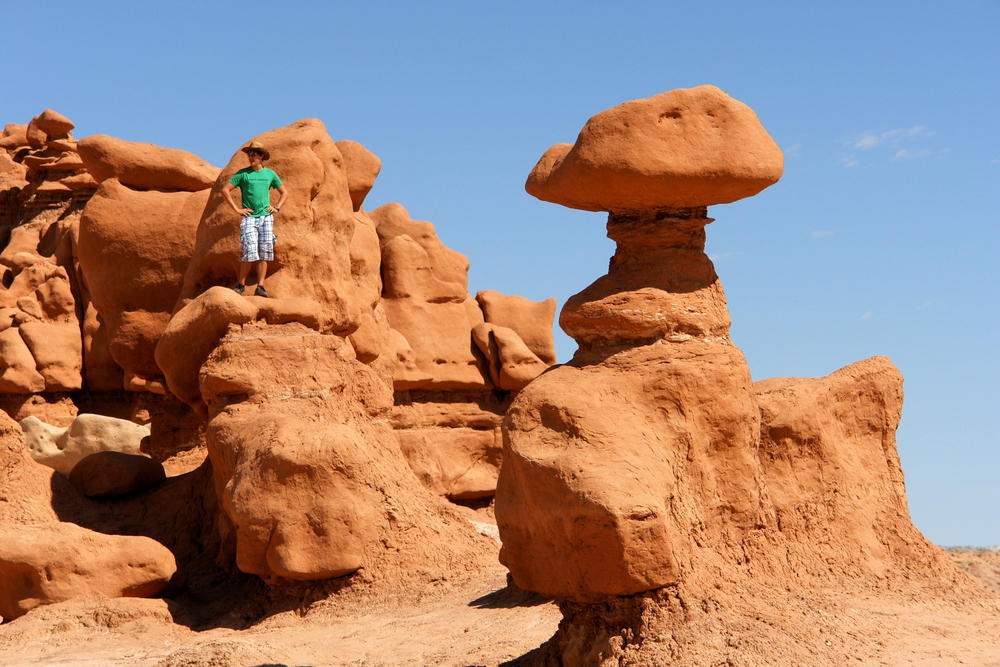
(619, 466)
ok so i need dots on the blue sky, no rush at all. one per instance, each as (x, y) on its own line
(880, 238)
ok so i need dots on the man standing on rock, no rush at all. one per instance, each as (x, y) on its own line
(257, 226)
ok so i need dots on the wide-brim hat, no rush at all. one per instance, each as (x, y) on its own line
(256, 146)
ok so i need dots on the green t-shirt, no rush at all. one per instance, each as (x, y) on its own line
(255, 188)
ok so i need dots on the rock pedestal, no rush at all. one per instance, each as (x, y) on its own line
(642, 447)
(643, 441)
(648, 484)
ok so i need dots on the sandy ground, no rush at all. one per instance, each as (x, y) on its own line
(983, 565)
(476, 623)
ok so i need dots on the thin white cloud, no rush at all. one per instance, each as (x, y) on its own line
(723, 255)
(899, 142)
(820, 233)
(868, 140)
(867, 316)
(926, 304)
(906, 154)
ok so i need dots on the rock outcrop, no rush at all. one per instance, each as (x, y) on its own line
(313, 485)
(118, 261)
(133, 270)
(113, 474)
(649, 477)
(314, 229)
(62, 448)
(52, 562)
(425, 293)
(453, 353)
(144, 166)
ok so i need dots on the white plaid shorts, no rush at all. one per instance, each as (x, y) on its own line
(257, 238)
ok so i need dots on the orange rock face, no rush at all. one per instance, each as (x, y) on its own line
(145, 166)
(637, 441)
(53, 562)
(828, 454)
(312, 484)
(314, 229)
(362, 168)
(133, 250)
(648, 478)
(450, 356)
(424, 291)
(680, 149)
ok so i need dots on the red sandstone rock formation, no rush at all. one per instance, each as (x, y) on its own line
(38, 225)
(314, 229)
(310, 476)
(680, 149)
(145, 166)
(52, 562)
(452, 352)
(133, 248)
(649, 478)
(296, 389)
(425, 293)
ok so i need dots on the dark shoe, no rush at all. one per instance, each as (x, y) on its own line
(260, 291)
(239, 289)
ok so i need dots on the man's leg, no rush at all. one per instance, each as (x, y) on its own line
(265, 251)
(248, 250)
(244, 272)
(261, 271)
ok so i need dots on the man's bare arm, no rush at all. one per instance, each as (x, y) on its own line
(227, 194)
(281, 201)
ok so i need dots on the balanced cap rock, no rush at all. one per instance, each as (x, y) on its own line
(680, 149)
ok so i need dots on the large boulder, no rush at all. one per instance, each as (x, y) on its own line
(145, 166)
(530, 320)
(133, 248)
(828, 450)
(192, 334)
(683, 148)
(362, 168)
(62, 448)
(310, 478)
(53, 123)
(512, 365)
(609, 470)
(114, 474)
(53, 562)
